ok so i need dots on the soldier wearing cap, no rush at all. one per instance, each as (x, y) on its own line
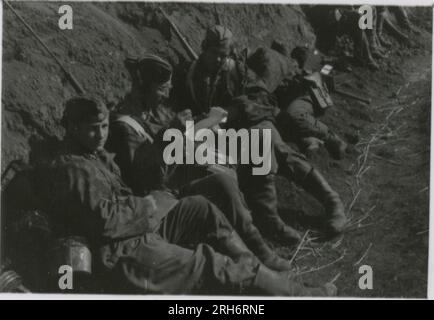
(135, 136)
(86, 121)
(218, 78)
(151, 244)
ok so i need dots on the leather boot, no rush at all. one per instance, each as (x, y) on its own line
(317, 186)
(261, 197)
(260, 248)
(233, 246)
(335, 146)
(285, 234)
(284, 284)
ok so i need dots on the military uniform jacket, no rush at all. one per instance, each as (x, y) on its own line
(138, 147)
(85, 196)
(199, 92)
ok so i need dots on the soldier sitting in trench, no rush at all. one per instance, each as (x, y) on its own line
(134, 137)
(151, 244)
(218, 78)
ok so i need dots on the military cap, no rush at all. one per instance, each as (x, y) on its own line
(217, 36)
(84, 109)
(152, 68)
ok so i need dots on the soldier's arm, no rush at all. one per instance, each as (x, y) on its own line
(83, 193)
(124, 142)
(180, 92)
(245, 111)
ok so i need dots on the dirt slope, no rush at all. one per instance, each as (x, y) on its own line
(390, 186)
(103, 35)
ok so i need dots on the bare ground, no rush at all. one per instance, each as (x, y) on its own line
(385, 186)
(383, 180)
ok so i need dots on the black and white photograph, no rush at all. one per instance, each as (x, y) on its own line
(215, 149)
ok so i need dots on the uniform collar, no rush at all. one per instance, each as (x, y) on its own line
(73, 148)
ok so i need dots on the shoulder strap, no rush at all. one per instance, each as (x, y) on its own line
(135, 125)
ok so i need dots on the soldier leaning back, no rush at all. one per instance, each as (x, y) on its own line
(151, 244)
(135, 138)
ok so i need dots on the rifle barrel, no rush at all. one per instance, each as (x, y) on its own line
(69, 76)
(352, 96)
(184, 42)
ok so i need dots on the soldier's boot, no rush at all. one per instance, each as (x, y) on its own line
(285, 234)
(317, 185)
(262, 200)
(233, 246)
(335, 146)
(260, 248)
(285, 284)
(276, 263)
(274, 228)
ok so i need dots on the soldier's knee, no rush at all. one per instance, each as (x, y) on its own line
(196, 203)
(224, 183)
(202, 208)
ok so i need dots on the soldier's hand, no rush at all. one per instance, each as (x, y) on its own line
(218, 113)
(184, 115)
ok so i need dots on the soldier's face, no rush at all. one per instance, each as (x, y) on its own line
(92, 136)
(157, 93)
(214, 57)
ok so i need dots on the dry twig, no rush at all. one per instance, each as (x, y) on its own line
(299, 246)
(358, 227)
(422, 232)
(350, 207)
(324, 266)
(335, 278)
(363, 218)
(363, 256)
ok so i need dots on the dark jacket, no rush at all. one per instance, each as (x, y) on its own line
(83, 194)
(194, 89)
